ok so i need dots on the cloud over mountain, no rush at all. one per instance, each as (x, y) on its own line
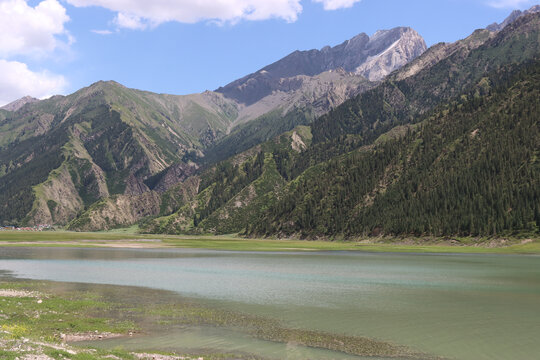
(34, 32)
(139, 14)
(17, 81)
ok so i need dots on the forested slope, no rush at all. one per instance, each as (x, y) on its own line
(450, 148)
(471, 167)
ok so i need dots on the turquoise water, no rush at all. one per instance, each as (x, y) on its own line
(455, 306)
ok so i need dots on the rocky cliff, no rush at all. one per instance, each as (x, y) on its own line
(408, 46)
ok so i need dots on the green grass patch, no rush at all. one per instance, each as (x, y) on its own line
(118, 234)
(236, 243)
(15, 331)
(45, 316)
(241, 244)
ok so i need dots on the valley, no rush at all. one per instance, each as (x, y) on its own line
(312, 146)
(376, 198)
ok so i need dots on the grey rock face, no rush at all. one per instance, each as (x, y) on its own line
(393, 55)
(442, 51)
(516, 14)
(385, 51)
(177, 173)
(135, 186)
(17, 104)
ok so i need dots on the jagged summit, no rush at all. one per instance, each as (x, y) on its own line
(516, 14)
(392, 49)
(385, 51)
(19, 103)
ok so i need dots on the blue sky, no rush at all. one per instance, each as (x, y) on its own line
(186, 46)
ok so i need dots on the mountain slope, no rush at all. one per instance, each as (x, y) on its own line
(516, 14)
(315, 96)
(461, 129)
(236, 191)
(61, 155)
(470, 168)
(398, 101)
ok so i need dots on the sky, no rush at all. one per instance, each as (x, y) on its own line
(50, 47)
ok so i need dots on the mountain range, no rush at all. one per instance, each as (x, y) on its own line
(377, 135)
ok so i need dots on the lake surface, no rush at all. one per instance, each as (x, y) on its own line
(453, 306)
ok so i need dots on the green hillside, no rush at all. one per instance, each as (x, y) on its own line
(234, 192)
(471, 167)
(397, 102)
(60, 155)
(450, 150)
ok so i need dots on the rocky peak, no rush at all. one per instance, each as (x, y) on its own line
(390, 50)
(349, 55)
(514, 15)
(17, 104)
(355, 45)
(383, 39)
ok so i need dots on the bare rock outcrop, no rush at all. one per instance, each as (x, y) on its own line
(177, 173)
(118, 211)
(408, 46)
(19, 103)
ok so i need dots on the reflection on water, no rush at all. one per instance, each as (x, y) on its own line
(459, 306)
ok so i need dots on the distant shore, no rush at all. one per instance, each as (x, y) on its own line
(128, 239)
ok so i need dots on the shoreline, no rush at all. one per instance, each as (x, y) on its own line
(233, 243)
(93, 317)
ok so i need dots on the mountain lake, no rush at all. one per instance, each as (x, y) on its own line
(457, 306)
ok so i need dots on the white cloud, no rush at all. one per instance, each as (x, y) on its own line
(337, 4)
(102, 32)
(129, 21)
(512, 4)
(33, 31)
(30, 30)
(140, 14)
(18, 81)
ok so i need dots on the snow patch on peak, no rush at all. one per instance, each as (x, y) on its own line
(400, 52)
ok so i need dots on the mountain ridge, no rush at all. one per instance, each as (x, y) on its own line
(349, 55)
(19, 103)
(516, 14)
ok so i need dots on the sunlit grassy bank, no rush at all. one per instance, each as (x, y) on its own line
(35, 323)
(234, 243)
(44, 318)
